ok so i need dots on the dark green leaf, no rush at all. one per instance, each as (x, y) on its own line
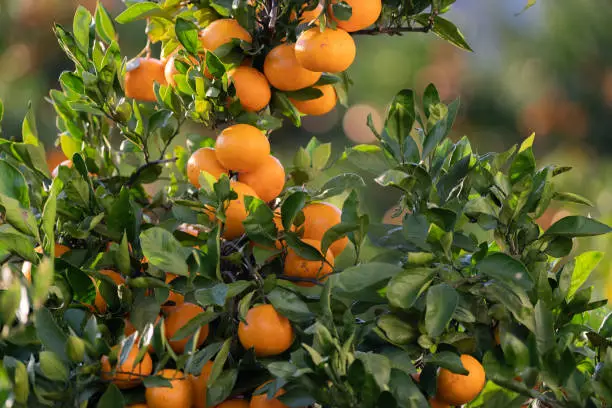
(13, 184)
(187, 34)
(440, 130)
(405, 288)
(112, 397)
(605, 330)
(140, 11)
(359, 277)
(442, 300)
(405, 391)
(164, 251)
(214, 65)
(289, 305)
(214, 295)
(305, 94)
(506, 269)
(448, 360)
(301, 248)
(49, 333)
(545, 331)
(445, 30)
(291, 207)
(221, 387)
(342, 10)
(430, 98)
(578, 226)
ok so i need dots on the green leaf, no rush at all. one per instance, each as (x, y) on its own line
(289, 305)
(605, 330)
(9, 303)
(448, 360)
(52, 367)
(446, 30)
(29, 132)
(33, 156)
(80, 28)
(14, 242)
(524, 163)
(13, 184)
(187, 34)
(405, 391)
(112, 397)
(342, 10)
(122, 255)
(221, 387)
(376, 365)
(442, 300)
(577, 226)
(506, 269)
(339, 184)
(545, 331)
(20, 218)
(155, 381)
(48, 217)
(585, 263)
(301, 248)
(164, 251)
(337, 232)
(396, 330)
(405, 288)
(401, 117)
(530, 3)
(215, 295)
(291, 207)
(440, 130)
(430, 98)
(573, 198)
(104, 24)
(214, 65)
(305, 94)
(359, 277)
(140, 11)
(22, 383)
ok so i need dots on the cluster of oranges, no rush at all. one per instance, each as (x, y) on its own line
(286, 67)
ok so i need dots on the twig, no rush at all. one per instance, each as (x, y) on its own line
(144, 167)
(393, 30)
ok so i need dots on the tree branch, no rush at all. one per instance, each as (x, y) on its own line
(393, 30)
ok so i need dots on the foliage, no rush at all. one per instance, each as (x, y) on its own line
(467, 263)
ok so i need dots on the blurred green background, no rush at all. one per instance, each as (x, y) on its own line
(547, 70)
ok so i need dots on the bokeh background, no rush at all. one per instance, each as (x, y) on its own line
(547, 70)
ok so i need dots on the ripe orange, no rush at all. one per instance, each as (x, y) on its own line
(457, 389)
(262, 401)
(327, 51)
(26, 268)
(299, 267)
(252, 88)
(179, 395)
(99, 302)
(170, 69)
(139, 81)
(267, 180)
(365, 13)
(126, 375)
(236, 403)
(318, 218)
(242, 148)
(221, 32)
(179, 316)
(55, 172)
(203, 159)
(319, 106)
(199, 384)
(285, 72)
(435, 403)
(235, 211)
(176, 298)
(266, 331)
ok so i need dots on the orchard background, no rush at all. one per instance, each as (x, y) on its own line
(443, 262)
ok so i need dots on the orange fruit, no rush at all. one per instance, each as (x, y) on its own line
(365, 13)
(262, 401)
(457, 389)
(179, 316)
(173, 296)
(308, 15)
(267, 180)
(242, 148)
(221, 32)
(26, 268)
(252, 88)
(318, 218)
(299, 267)
(284, 72)
(66, 163)
(435, 403)
(139, 81)
(170, 69)
(128, 374)
(99, 302)
(199, 384)
(327, 51)
(179, 395)
(203, 159)
(235, 211)
(266, 331)
(318, 106)
(236, 403)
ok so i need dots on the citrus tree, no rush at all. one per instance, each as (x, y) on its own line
(237, 283)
